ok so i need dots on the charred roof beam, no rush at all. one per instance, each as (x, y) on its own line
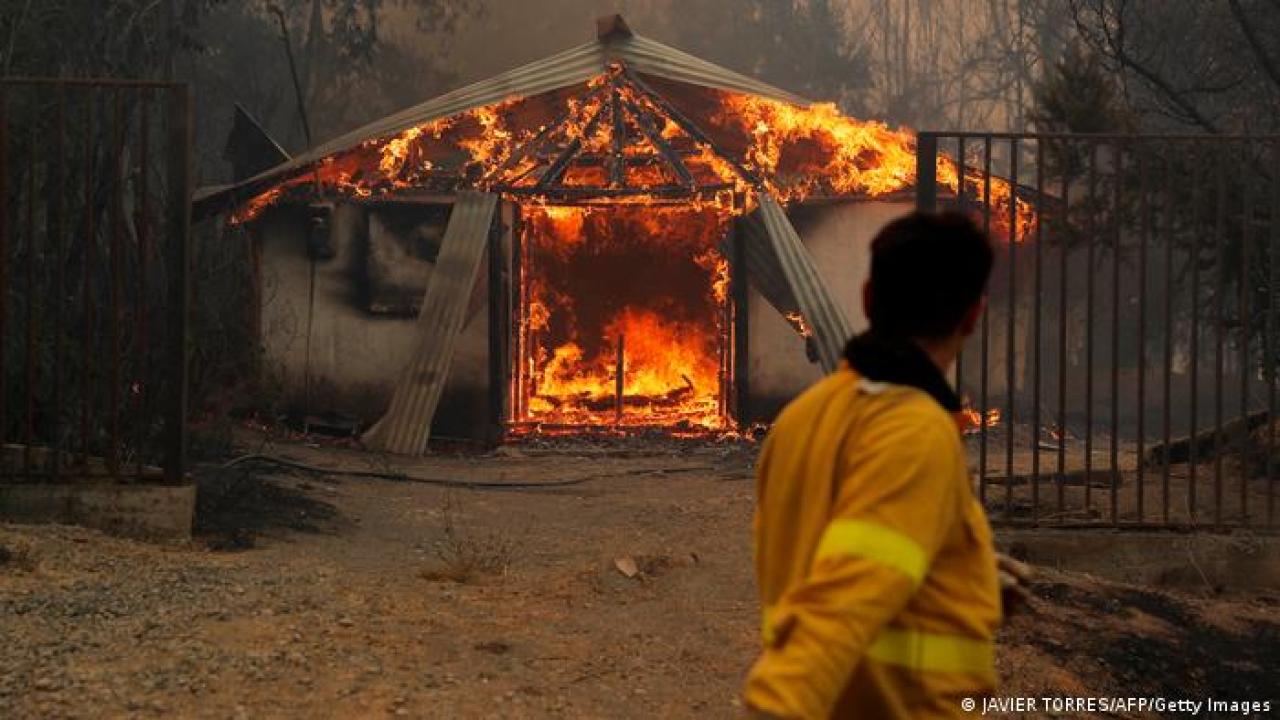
(672, 157)
(617, 168)
(556, 171)
(650, 95)
(535, 145)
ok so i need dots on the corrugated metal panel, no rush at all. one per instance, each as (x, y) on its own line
(830, 327)
(654, 58)
(407, 424)
(763, 270)
(558, 71)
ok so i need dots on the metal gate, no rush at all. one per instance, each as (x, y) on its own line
(1125, 373)
(95, 189)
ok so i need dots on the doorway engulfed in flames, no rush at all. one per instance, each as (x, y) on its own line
(625, 319)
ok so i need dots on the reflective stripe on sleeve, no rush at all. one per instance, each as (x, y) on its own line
(915, 650)
(874, 542)
(936, 653)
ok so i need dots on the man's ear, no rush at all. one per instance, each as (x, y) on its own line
(969, 322)
(866, 299)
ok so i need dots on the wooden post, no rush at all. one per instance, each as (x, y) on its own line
(739, 297)
(499, 322)
(619, 379)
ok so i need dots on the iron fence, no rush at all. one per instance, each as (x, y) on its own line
(95, 188)
(1125, 372)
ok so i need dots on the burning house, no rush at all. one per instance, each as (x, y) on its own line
(620, 236)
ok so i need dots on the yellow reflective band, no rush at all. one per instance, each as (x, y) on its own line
(935, 653)
(876, 543)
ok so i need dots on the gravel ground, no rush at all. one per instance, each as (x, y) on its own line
(308, 595)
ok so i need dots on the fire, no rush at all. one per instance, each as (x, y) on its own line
(971, 420)
(791, 151)
(669, 345)
(798, 322)
(798, 151)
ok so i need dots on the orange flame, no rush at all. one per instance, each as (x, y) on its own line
(672, 342)
(972, 422)
(798, 151)
(792, 151)
(798, 322)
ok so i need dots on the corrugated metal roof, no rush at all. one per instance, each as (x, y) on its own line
(564, 69)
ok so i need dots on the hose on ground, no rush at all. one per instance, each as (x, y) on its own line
(446, 482)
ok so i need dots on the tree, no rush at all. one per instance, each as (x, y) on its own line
(1079, 96)
(1211, 66)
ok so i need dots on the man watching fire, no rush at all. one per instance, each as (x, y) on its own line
(874, 560)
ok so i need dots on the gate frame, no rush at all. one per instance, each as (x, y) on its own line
(176, 224)
(1268, 147)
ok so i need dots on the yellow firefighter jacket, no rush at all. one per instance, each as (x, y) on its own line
(874, 560)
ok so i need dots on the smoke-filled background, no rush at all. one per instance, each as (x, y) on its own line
(1080, 65)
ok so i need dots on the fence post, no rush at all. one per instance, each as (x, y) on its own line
(179, 224)
(926, 172)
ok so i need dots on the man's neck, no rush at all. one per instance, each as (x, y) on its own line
(943, 353)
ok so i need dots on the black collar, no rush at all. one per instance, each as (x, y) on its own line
(899, 362)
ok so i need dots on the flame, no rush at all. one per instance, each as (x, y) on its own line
(791, 151)
(798, 151)
(798, 322)
(971, 420)
(672, 342)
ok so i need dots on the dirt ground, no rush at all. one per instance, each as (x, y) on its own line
(324, 596)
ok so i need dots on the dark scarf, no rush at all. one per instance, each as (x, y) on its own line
(900, 362)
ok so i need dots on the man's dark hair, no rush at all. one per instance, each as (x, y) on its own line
(927, 270)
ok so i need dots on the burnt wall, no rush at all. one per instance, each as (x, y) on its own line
(361, 316)
(839, 238)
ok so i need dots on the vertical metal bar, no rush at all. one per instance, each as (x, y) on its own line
(1220, 330)
(986, 327)
(116, 198)
(1246, 365)
(180, 181)
(1166, 211)
(1037, 302)
(4, 261)
(1144, 238)
(1115, 333)
(1010, 349)
(1198, 204)
(29, 290)
(962, 204)
(1064, 233)
(87, 350)
(1091, 253)
(927, 172)
(142, 388)
(57, 251)
(1273, 285)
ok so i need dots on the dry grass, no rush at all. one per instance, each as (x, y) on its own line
(465, 555)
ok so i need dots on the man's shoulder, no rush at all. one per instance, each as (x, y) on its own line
(908, 417)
